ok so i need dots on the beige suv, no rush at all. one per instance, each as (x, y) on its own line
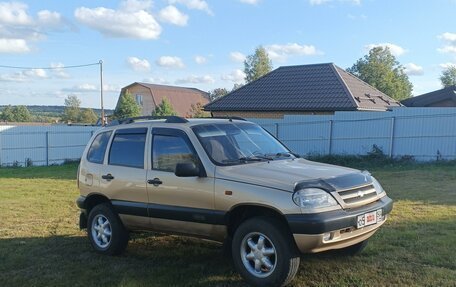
(226, 180)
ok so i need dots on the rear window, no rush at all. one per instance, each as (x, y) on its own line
(98, 148)
(127, 148)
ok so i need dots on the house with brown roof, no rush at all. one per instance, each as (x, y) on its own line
(445, 97)
(148, 96)
(305, 89)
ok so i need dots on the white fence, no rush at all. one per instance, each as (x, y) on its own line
(423, 133)
(42, 145)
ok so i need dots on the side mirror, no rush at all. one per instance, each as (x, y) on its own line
(187, 169)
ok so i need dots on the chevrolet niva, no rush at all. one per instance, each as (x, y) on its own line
(226, 180)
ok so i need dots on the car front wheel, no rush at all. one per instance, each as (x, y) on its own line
(263, 252)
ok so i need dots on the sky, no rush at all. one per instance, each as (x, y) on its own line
(202, 44)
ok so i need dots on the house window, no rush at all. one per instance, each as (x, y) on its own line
(139, 100)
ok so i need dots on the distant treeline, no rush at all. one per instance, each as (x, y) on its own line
(54, 111)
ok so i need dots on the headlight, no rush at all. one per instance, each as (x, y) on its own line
(378, 187)
(311, 198)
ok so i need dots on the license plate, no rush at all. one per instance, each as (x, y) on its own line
(367, 219)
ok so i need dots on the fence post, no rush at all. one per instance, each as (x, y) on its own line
(1, 149)
(393, 119)
(47, 148)
(330, 137)
(277, 130)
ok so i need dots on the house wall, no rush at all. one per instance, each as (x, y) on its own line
(265, 115)
(148, 102)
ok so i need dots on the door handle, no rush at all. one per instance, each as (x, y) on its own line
(108, 177)
(156, 181)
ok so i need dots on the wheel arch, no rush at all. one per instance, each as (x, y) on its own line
(241, 212)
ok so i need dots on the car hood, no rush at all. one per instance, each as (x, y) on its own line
(285, 174)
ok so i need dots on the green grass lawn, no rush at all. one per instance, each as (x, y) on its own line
(41, 245)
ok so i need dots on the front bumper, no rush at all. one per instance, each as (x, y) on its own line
(335, 229)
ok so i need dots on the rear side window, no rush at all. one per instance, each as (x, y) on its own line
(127, 148)
(167, 151)
(98, 148)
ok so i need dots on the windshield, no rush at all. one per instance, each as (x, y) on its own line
(238, 143)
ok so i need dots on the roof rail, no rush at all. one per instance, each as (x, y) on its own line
(168, 119)
(230, 118)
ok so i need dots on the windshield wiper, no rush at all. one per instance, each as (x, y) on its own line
(249, 158)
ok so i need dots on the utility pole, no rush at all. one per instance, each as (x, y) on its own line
(101, 94)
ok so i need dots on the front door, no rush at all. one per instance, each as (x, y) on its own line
(179, 204)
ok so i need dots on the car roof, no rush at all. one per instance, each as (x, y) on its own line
(163, 123)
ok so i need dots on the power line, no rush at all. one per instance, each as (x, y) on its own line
(49, 68)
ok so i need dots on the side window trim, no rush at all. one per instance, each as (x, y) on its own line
(127, 131)
(174, 133)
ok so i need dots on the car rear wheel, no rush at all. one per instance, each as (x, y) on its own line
(105, 230)
(264, 253)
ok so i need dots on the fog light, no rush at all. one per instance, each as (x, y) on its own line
(326, 236)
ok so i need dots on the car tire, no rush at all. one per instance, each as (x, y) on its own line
(105, 230)
(354, 249)
(264, 253)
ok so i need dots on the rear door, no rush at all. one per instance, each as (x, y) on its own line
(179, 204)
(123, 177)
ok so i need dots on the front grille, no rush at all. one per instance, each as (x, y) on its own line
(358, 195)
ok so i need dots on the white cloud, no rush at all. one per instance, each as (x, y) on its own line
(138, 65)
(251, 2)
(14, 13)
(170, 62)
(394, 49)
(194, 4)
(111, 88)
(282, 52)
(413, 69)
(206, 79)
(59, 71)
(450, 43)
(81, 88)
(90, 88)
(447, 49)
(237, 76)
(237, 57)
(172, 15)
(49, 18)
(131, 20)
(321, 2)
(447, 65)
(13, 46)
(24, 76)
(200, 60)
(449, 37)
(17, 26)
(156, 80)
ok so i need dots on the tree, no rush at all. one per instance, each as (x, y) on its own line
(127, 107)
(164, 109)
(72, 109)
(380, 69)
(7, 114)
(21, 114)
(88, 116)
(197, 111)
(257, 65)
(217, 93)
(448, 77)
(16, 114)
